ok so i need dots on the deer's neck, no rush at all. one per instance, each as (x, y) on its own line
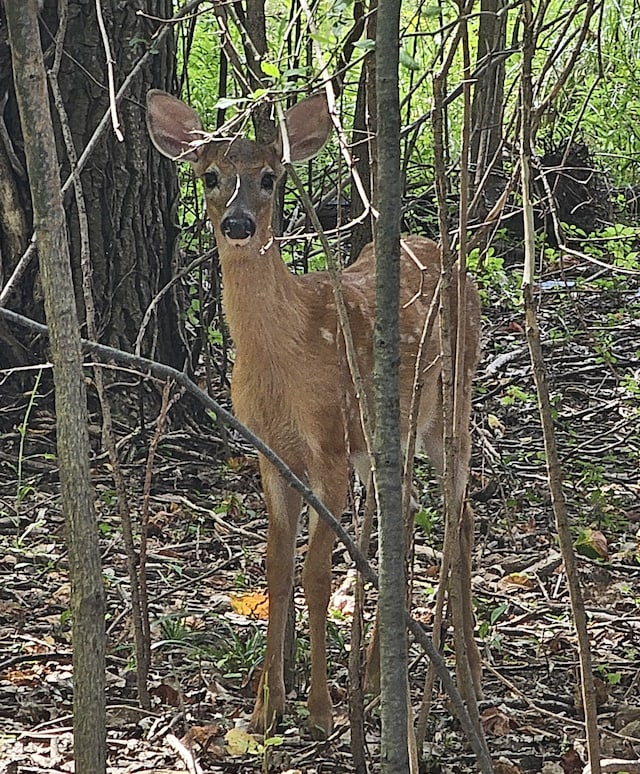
(264, 304)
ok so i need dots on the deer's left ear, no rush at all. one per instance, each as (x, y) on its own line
(308, 126)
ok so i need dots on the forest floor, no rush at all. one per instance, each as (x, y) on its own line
(207, 547)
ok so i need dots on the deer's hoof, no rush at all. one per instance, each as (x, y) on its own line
(320, 721)
(265, 719)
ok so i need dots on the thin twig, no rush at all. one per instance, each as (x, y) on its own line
(113, 108)
(554, 470)
(144, 652)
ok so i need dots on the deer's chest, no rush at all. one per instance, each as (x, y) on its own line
(294, 405)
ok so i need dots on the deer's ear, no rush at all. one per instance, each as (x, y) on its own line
(172, 126)
(308, 126)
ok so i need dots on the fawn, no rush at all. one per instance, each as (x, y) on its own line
(290, 384)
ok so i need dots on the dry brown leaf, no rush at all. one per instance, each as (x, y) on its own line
(519, 580)
(22, 677)
(208, 738)
(495, 722)
(167, 694)
(558, 643)
(571, 762)
(252, 605)
(236, 464)
(505, 767)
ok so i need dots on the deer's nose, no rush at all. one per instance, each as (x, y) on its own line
(238, 226)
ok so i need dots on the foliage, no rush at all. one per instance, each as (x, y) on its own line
(601, 94)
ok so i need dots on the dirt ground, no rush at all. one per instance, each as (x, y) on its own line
(207, 544)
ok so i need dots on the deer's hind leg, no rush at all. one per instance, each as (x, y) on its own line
(460, 529)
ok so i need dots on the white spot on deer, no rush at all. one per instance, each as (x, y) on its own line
(362, 466)
(327, 335)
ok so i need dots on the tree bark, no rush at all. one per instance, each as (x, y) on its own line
(87, 592)
(387, 445)
(487, 110)
(130, 191)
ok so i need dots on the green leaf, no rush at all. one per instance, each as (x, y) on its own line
(271, 70)
(406, 60)
(365, 45)
(592, 543)
(295, 72)
(497, 612)
(424, 519)
(324, 40)
(614, 678)
(226, 102)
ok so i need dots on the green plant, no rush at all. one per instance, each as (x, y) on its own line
(267, 743)
(241, 582)
(22, 489)
(486, 628)
(612, 677)
(493, 279)
(514, 394)
(105, 528)
(615, 245)
(425, 518)
(173, 627)
(630, 386)
(108, 496)
(236, 655)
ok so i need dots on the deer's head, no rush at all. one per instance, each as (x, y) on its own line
(239, 175)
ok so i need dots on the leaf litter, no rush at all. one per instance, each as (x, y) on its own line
(206, 581)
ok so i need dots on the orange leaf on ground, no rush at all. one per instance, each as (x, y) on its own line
(252, 605)
(517, 580)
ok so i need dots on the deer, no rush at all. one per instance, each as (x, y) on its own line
(289, 383)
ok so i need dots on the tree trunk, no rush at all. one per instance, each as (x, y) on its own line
(487, 109)
(130, 192)
(387, 446)
(87, 592)
(364, 140)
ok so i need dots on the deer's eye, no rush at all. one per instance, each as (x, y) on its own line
(268, 181)
(210, 179)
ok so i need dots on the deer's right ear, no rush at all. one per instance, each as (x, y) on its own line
(308, 126)
(173, 126)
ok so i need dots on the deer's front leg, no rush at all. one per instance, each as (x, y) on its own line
(317, 590)
(316, 580)
(284, 509)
